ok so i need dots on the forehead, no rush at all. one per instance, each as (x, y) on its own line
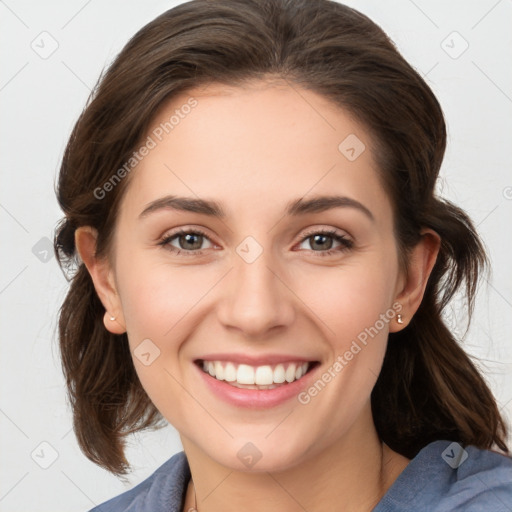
(255, 147)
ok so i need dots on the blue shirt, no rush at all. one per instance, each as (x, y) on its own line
(443, 477)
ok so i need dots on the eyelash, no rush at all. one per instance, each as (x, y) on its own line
(346, 243)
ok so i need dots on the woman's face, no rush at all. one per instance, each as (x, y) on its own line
(288, 260)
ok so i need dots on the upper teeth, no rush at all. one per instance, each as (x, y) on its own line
(259, 375)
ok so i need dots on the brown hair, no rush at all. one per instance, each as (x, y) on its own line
(428, 388)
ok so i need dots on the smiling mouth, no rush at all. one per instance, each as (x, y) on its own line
(261, 377)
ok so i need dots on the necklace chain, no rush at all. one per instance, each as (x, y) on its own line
(194, 508)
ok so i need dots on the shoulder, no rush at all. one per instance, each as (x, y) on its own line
(163, 490)
(445, 476)
(484, 483)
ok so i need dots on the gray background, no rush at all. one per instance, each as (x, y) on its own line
(41, 96)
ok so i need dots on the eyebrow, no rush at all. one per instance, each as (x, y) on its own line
(211, 208)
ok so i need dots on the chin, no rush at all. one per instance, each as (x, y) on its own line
(260, 454)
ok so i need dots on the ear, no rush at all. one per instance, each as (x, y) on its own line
(103, 278)
(412, 288)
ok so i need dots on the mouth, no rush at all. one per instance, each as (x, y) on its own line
(260, 377)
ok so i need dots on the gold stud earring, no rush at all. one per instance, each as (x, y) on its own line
(399, 318)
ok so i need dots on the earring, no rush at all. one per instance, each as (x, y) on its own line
(112, 318)
(399, 318)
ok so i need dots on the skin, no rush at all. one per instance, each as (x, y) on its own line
(255, 149)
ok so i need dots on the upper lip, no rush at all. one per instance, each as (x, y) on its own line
(259, 360)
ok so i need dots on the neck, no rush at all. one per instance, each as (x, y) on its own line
(356, 472)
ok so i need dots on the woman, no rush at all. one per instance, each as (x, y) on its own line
(261, 260)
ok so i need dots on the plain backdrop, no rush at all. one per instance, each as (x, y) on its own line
(52, 53)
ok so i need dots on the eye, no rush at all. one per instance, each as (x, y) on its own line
(187, 241)
(323, 241)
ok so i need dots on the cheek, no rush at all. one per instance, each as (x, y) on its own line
(353, 307)
(348, 299)
(156, 297)
(159, 302)
(344, 301)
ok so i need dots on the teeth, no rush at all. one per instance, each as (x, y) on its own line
(230, 372)
(289, 374)
(259, 377)
(279, 374)
(219, 370)
(264, 376)
(252, 386)
(245, 374)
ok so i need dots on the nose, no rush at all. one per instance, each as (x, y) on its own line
(257, 298)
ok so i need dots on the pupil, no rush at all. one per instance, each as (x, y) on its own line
(322, 245)
(189, 239)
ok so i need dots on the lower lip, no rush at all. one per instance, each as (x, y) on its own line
(255, 398)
